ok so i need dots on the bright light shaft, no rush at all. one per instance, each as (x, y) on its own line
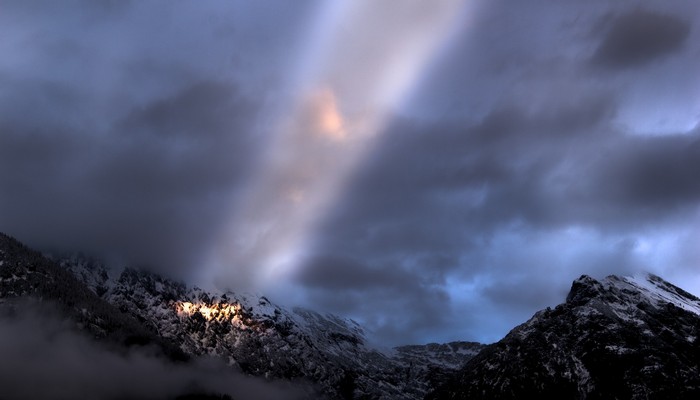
(365, 65)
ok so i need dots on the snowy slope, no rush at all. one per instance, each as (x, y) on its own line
(660, 292)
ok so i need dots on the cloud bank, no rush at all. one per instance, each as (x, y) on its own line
(540, 141)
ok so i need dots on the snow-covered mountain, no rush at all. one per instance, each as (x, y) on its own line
(249, 332)
(263, 339)
(617, 338)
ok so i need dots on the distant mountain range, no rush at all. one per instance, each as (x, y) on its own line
(618, 338)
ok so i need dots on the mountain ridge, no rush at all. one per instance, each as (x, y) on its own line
(617, 337)
(251, 334)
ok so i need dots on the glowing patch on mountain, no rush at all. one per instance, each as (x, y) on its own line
(218, 312)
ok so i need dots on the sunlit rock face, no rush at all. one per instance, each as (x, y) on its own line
(215, 312)
(624, 338)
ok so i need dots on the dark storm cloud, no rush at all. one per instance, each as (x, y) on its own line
(504, 161)
(151, 188)
(437, 199)
(659, 173)
(639, 37)
(133, 128)
(345, 273)
(127, 129)
(379, 294)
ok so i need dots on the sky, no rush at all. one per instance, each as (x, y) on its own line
(434, 170)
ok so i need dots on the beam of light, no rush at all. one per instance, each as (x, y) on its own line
(357, 74)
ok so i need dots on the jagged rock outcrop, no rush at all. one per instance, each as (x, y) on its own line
(617, 338)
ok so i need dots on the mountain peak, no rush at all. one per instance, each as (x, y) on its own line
(618, 337)
(583, 289)
(645, 288)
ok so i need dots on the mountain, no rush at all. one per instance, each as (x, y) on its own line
(260, 338)
(617, 338)
(25, 273)
(250, 333)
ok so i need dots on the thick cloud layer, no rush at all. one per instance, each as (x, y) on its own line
(483, 219)
(150, 188)
(640, 37)
(127, 128)
(545, 140)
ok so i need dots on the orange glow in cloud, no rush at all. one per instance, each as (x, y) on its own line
(327, 119)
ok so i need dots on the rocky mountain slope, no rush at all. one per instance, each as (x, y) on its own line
(617, 338)
(262, 339)
(249, 332)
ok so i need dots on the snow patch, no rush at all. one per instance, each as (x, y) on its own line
(658, 291)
